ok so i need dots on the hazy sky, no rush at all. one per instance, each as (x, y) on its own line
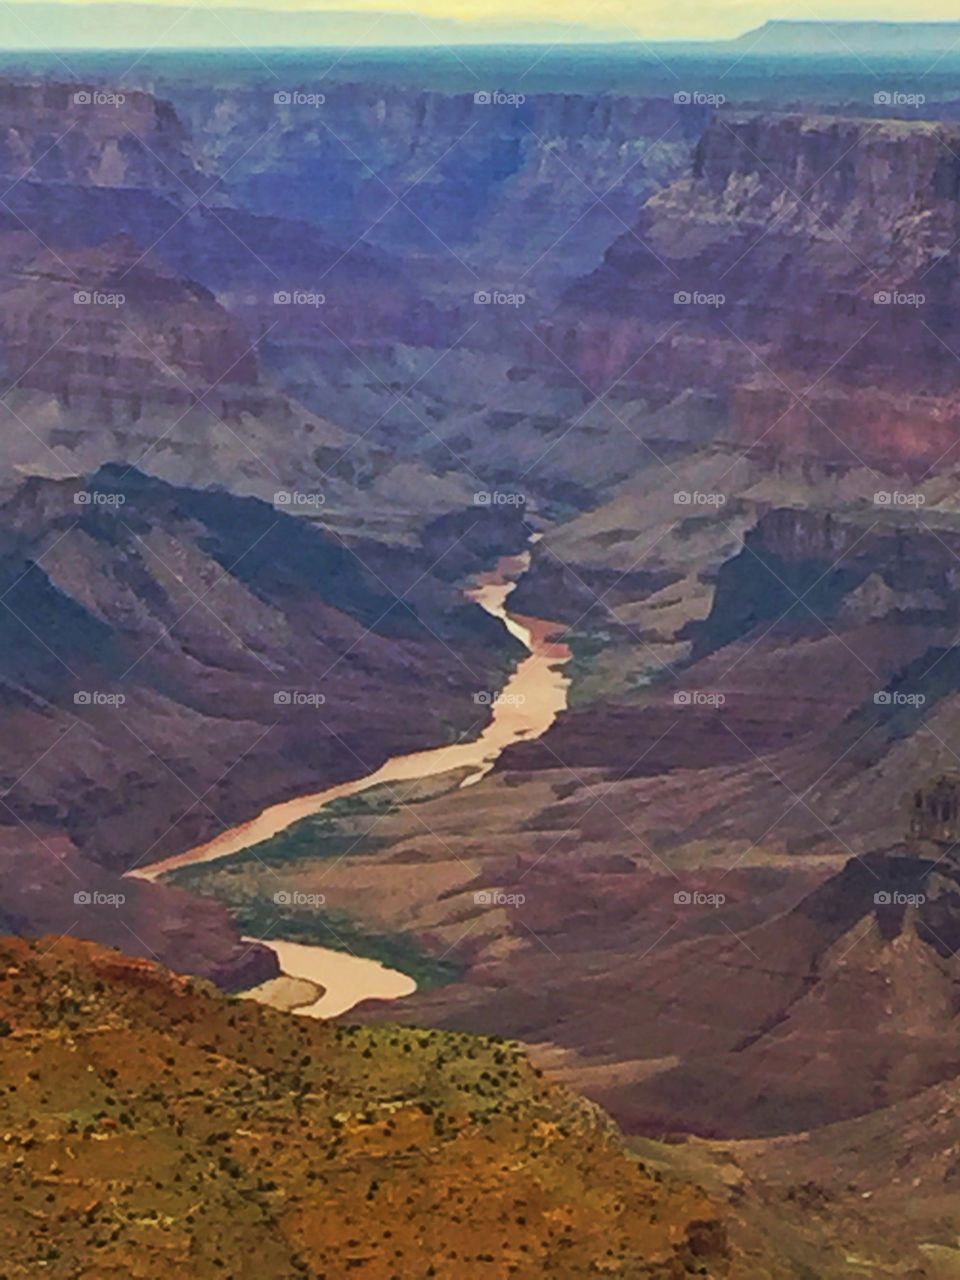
(666, 19)
(638, 19)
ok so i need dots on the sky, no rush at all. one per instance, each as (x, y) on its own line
(658, 19)
(631, 19)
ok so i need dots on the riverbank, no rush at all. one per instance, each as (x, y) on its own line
(525, 708)
(328, 981)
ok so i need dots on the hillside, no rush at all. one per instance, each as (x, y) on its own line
(153, 1128)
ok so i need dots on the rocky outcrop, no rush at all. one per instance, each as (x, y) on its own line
(805, 271)
(795, 555)
(880, 594)
(85, 135)
(841, 1006)
(51, 888)
(115, 337)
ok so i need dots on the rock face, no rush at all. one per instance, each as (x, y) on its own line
(212, 653)
(839, 1007)
(848, 619)
(79, 135)
(190, 639)
(415, 170)
(137, 302)
(797, 37)
(745, 1002)
(51, 888)
(131, 340)
(805, 271)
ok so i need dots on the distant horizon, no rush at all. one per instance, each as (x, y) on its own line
(172, 24)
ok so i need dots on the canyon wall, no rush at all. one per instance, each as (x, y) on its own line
(806, 272)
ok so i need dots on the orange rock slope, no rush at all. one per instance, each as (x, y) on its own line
(153, 1128)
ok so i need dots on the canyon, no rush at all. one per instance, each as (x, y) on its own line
(285, 383)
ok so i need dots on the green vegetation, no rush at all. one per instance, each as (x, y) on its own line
(155, 1129)
(607, 665)
(336, 930)
(316, 838)
(244, 884)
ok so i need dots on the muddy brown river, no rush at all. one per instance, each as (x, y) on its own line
(525, 708)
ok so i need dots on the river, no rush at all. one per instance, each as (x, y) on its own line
(525, 708)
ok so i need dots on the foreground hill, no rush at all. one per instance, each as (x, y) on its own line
(154, 1128)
